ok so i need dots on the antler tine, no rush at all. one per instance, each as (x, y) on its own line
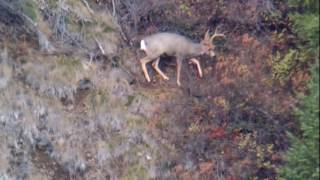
(207, 36)
(216, 35)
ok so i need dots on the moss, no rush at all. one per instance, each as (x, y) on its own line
(130, 100)
(136, 121)
(29, 8)
(136, 171)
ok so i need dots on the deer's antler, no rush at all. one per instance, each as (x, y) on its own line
(216, 35)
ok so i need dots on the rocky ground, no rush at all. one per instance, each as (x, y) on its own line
(74, 103)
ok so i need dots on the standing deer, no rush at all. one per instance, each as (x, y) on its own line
(174, 45)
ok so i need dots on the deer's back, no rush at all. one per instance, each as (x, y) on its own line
(168, 43)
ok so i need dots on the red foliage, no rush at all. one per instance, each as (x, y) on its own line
(217, 133)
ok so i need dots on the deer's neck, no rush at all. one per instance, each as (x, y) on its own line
(195, 49)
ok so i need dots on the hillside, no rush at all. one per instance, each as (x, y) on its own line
(74, 103)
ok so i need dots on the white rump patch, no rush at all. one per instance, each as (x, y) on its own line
(143, 45)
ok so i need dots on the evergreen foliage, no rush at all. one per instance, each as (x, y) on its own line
(302, 158)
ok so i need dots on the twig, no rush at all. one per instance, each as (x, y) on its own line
(88, 7)
(100, 46)
(91, 58)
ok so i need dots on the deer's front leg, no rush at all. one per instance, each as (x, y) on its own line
(179, 63)
(155, 65)
(143, 62)
(197, 63)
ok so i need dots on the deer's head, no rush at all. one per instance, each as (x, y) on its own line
(207, 46)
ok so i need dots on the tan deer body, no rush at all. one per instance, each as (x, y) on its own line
(174, 45)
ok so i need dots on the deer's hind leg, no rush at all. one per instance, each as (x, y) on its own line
(155, 65)
(143, 62)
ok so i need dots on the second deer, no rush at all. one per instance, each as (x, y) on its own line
(175, 45)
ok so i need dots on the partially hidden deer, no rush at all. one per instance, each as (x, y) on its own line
(176, 45)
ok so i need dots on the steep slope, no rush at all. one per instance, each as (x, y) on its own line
(75, 105)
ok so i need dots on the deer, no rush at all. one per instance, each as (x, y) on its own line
(178, 46)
